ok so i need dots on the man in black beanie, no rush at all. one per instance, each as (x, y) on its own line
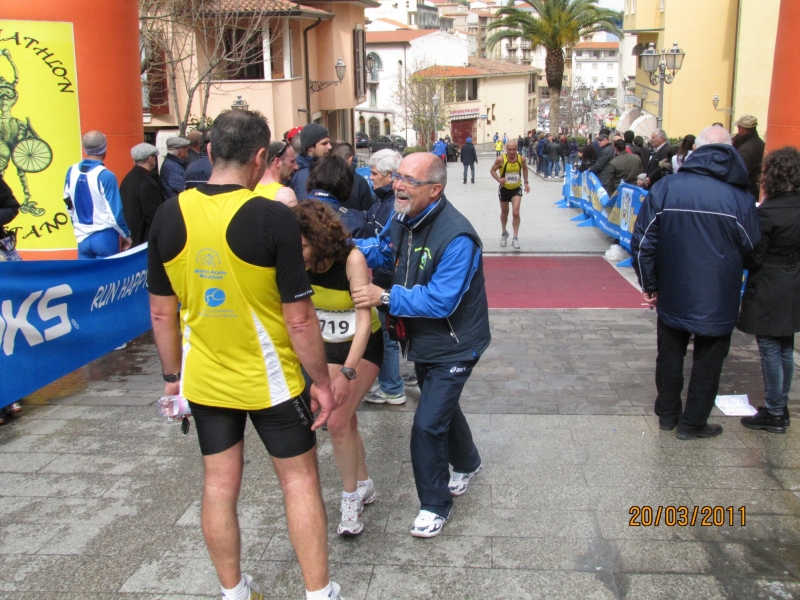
(315, 143)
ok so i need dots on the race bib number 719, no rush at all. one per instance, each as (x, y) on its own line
(337, 325)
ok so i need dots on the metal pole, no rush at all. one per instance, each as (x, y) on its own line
(660, 96)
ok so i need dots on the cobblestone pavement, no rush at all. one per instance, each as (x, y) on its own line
(99, 496)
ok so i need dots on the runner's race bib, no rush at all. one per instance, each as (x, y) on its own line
(512, 177)
(337, 325)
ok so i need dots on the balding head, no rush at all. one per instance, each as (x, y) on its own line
(195, 139)
(94, 143)
(713, 135)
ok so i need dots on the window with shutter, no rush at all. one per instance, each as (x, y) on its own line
(359, 62)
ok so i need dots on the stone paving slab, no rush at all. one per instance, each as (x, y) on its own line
(100, 496)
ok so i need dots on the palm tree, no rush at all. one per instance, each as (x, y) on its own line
(553, 25)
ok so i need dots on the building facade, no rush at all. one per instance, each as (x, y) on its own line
(489, 97)
(289, 73)
(736, 36)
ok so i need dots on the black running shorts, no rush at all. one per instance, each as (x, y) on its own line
(285, 429)
(506, 195)
(336, 352)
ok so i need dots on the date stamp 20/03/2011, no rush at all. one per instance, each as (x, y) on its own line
(683, 516)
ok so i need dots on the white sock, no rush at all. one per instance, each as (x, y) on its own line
(240, 592)
(366, 483)
(350, 495)
(326, 593)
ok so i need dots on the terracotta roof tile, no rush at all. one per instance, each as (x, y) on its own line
(397, 24)
(478, 67)
(597, 46)
(258, 6)
(397, 37)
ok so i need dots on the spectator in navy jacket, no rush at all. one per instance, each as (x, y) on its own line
(692, 234)
(173, 169)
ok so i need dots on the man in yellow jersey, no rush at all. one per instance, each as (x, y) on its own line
(498, 147)
(281, 164)
(511, 171)
(233, 262)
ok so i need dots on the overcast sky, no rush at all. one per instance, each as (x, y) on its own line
(615, 4)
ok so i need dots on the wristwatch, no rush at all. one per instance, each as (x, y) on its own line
(385, 297)
(174, 378)
(349, 373)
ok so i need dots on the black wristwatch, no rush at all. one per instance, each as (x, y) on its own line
(385, 298)
(349, 373)
(174, 378)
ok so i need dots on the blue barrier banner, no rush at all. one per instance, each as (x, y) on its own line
(629, 201)
(615, 215)
(58, 315)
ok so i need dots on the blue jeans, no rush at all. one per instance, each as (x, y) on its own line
(472, 166)
(440, 434)
(99, 245)
(777, 367)
(389, 377)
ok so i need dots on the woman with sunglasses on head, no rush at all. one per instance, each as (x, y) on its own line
(353, 345)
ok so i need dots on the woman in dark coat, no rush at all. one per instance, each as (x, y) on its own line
(771, 303)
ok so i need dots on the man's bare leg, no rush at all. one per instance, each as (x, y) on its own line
(515, 202)
(504, 215)
(305, 516)
(222, 481)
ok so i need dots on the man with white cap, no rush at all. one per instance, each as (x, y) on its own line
(92, 196)
(751, 149)
(173, 169)
(141, 195)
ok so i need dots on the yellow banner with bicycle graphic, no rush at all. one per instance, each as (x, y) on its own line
(39, 128)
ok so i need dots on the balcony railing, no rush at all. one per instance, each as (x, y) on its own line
(526, 44)
(511, 45)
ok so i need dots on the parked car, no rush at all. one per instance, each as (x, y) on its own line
(362, 140)
(384, 141)
(399, 143)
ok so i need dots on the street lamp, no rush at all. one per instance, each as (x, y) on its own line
(435, 104)
(715, 102)
(316, 86)
(239, 104)
(661, 69)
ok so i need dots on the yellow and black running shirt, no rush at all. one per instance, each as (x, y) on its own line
(269, 190)
(232, 258)
(512, 171)
(335, 310)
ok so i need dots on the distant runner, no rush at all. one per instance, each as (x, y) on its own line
(510, 170)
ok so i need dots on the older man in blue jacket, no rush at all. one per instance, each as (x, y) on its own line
(439, 294)
(691, 236)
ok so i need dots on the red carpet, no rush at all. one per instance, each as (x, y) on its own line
(556, 282)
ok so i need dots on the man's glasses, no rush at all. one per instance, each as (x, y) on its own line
(409, 181)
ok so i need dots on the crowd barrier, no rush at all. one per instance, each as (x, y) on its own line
(59, 315)
(616, 216)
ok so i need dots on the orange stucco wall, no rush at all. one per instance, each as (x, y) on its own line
(107, 62)
(783, 121)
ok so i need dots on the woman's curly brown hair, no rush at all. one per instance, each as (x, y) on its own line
(781, 171)
(323, 232)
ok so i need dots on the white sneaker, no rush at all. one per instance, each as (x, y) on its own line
(253, 588)
(337, 591)
(366, 493)
(410, 380)
(459, 481)
(351, 523)
(515, 243)
(427, 524)
(504, 239)
(381, 397)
